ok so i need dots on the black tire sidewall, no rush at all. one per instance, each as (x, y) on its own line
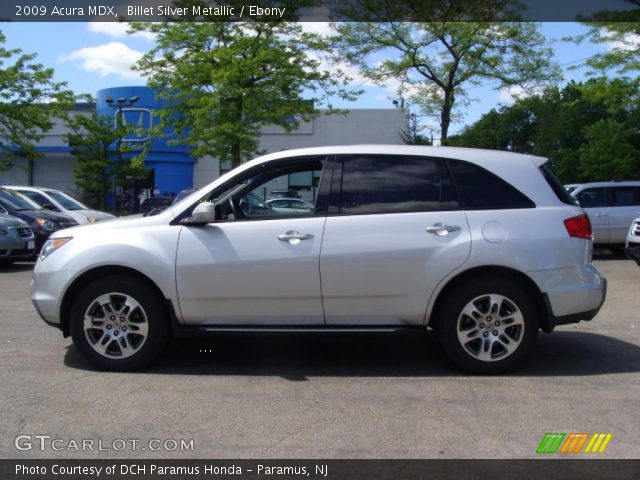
(448, 318)
(150, 301)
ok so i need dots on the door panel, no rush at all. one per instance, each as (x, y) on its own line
(235, 273)
(381, 269)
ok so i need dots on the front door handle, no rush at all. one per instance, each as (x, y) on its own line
(600, 214)
(442, 229)
(294, 237)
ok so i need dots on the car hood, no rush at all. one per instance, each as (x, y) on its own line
(97, 214)
(11, 221)
(47, 215)
(120, 223)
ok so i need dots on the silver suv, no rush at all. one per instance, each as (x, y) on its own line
(484, 247)
(611, 207)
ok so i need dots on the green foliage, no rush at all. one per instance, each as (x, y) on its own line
(94, 142)
(438, 61)
(589, 131)
(224, 81)
(29, 102)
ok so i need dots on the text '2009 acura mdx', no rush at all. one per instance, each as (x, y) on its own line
(484, 247)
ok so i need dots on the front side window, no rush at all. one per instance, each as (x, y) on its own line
(482, 190)
(394, 184)
(592, 198)
(250, 198)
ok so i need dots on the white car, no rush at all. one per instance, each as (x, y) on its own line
(290, 205)
(485, 247)
(633, 241)
(611, 207)
(58, 201)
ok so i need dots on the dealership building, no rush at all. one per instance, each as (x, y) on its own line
(173, 168)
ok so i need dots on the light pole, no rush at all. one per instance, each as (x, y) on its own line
(119, 104)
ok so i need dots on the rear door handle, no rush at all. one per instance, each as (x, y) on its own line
(294, 237)
(442, 229)
(599, 214)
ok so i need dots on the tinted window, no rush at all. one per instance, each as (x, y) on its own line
(482, 190)
(389, 184)
(624, 196)
(592, 198)
(562, 192)
(36, 197)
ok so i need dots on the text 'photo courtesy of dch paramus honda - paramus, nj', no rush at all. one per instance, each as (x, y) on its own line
(484, 247)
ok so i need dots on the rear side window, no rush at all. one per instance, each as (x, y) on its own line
(563, 194)
(593, 197)
(394, 184)
(482, 190)
(625, 196)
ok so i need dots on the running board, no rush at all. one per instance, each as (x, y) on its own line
(196, 330)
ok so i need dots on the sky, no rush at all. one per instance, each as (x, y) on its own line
(95, 55)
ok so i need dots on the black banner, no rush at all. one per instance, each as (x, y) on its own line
(319, 469)
(316, 10)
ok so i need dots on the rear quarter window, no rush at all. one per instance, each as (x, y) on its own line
(479, 189)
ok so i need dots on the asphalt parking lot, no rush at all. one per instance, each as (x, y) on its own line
(303, 396)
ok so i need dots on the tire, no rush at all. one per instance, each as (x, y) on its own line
(127, 325)
(487, 311)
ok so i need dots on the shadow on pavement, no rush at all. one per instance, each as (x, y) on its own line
(16, 267)
(297, 357)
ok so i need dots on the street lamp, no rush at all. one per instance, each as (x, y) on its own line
(119, 104)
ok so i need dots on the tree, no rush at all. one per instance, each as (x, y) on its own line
(444, 57)
(94, 141)
(620, 29)
(29, 102)
(223, 81)
(587, 130)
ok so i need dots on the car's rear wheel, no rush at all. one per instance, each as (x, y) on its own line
(119, 323)
(487, 325)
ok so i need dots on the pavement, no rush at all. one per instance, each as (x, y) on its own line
(322, 396)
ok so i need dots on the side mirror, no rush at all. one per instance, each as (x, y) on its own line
(204, 213)
(49, 206)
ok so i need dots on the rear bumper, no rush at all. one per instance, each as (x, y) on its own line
(571, 294)
(587, 315)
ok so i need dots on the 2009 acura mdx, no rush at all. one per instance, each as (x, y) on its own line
(484, 247)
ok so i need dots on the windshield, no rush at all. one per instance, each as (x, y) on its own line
(18, 201)
(67, 202)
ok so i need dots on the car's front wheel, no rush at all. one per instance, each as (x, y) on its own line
(487, 325)
(119, 323)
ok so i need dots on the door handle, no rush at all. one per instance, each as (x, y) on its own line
(599, 214)
(442, 229)
(294, 237)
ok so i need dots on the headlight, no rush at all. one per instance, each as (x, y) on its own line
(46, 225)
(91, 219)
(52, 245)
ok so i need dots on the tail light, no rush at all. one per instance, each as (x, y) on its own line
(579, 227)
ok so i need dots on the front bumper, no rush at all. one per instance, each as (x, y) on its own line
(633, 252)
(16, 249)
(47, 290)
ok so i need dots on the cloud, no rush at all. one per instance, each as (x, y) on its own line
(320, 28)
(513, 93)
(113, 58)
(117, 30)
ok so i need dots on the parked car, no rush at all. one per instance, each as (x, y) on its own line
(632, 247)
(611, 207)
(284, 193)
(571, 187)
(484, 247)
(290, 205)
(154, 205)
(43, 222)
(16, 240)
(58, 201)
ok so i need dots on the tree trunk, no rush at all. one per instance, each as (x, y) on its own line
(445, 116)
